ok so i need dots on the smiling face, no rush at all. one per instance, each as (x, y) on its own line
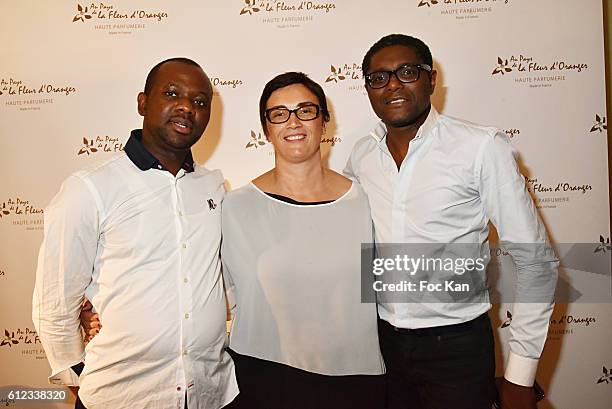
(400, 104)
(295, 140)
(176, 109)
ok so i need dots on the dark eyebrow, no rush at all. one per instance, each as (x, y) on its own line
(396, 67)
(199, 93)
(301, 104)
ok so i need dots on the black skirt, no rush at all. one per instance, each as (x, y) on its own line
(270, 385)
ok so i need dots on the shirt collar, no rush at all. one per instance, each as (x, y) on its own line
(144, 160)
(379, 133)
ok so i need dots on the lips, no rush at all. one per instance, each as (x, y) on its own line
(395, 101)
(182, 125)
(295, 137)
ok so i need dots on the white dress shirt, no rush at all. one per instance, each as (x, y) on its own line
(296, 274)
(456, 177)
(143, 246)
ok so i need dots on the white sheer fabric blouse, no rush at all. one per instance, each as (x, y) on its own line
(294, 274)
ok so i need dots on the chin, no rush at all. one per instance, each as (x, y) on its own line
(399, 122)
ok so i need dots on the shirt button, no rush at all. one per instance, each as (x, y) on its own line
(185, 280)
(185, 352)
(180, 213)
(184, 245)
(187, 316)
(178, 388)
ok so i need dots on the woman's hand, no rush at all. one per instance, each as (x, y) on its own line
(89, 321)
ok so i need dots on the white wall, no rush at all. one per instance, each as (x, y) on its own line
(83, 75)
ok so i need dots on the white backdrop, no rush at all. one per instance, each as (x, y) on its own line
(70, 72)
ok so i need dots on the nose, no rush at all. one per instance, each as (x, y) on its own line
(394, 82)
(185, 105)
(294, 121)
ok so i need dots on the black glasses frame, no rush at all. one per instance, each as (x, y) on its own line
(419, 67)
(293, 111)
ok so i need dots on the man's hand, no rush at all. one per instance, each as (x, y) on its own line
(513, 396)
(89, 321)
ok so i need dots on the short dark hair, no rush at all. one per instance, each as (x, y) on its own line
(151, 76)
(419, 47)
(284, 80)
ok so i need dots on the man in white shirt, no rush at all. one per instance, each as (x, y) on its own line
(139, 236)
(437, 180)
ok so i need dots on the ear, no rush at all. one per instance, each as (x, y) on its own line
(142, 103)
(432, 80)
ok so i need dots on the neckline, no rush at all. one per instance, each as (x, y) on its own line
(287, 199)
(314, 204)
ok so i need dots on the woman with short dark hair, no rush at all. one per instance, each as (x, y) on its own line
(301, 337)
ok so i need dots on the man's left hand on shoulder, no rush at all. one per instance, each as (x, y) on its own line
(513, 396)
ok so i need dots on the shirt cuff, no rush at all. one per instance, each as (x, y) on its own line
(66, 377)
(521, 370)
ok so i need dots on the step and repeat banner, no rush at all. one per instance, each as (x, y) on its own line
(70, 72)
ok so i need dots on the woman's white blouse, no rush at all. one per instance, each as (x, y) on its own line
(294, 274)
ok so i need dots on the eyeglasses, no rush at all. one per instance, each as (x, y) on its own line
(406, 73)
(279, 115)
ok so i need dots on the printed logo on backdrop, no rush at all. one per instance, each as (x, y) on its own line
(506, 323)
(27, 96)
(21, 212)
(534, 73)
(100, 144)
(556, 194)
(258, 142)
(347, 75)
(22, 341)
(603, 246)
(288, 13)
(606, 376)
(6, 401)
(107, 17)
(600, 124)
(512, 132)
(569, 324)
(462, 9)
(221, 84)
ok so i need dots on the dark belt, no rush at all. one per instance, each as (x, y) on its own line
(436, 331)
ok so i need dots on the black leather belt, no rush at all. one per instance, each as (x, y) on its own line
(436, 331)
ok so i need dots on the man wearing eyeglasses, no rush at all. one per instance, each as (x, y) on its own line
(439, 180)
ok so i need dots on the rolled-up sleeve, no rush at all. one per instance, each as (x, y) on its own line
(521, 232)
(65, 264)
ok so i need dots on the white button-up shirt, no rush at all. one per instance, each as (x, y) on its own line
(456, 177)
(143, 246)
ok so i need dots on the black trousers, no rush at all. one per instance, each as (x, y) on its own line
(78, 404)
(270, 385)
(450, 367)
